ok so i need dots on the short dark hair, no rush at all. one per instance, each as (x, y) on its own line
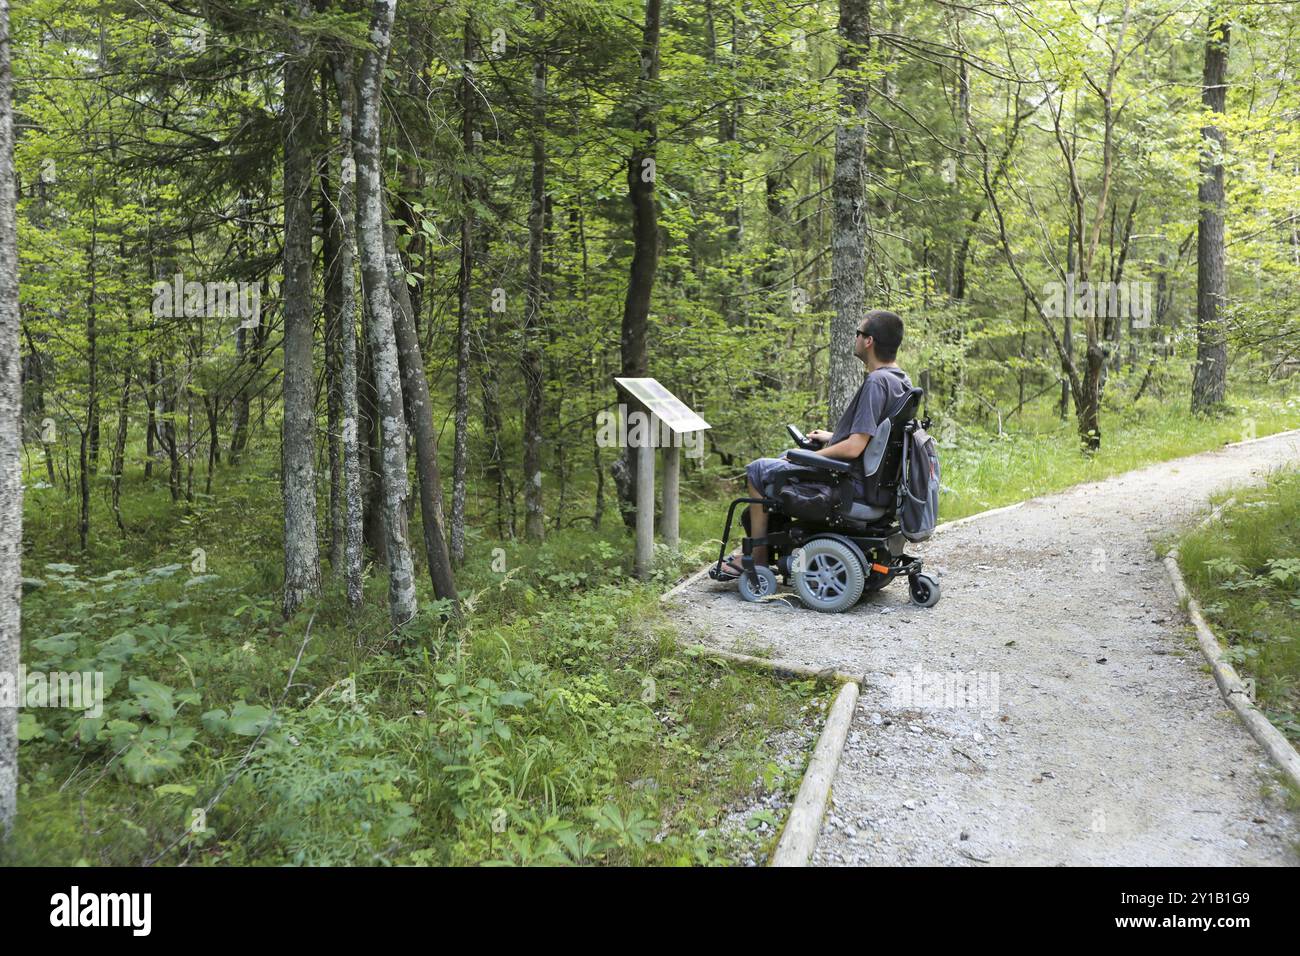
(886, 329)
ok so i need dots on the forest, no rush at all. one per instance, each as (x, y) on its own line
(310, 315)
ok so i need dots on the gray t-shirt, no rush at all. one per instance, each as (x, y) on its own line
(877, 396)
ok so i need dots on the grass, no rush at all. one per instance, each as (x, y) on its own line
(561, 723)
(1244, 569)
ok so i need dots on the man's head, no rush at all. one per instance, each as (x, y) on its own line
(879, 335)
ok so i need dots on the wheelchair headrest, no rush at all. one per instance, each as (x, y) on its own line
(909, 404)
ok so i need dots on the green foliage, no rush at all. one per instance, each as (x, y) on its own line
(558, 724)
(1244, 568)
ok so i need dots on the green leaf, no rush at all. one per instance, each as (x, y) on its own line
(29, 728)
(59, 645)
(154, 698)
(215, 721)
(156, 751)
(248, 720)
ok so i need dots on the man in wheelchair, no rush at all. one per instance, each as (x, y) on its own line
(824, 513)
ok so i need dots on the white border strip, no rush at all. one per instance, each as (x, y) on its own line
(1231, 686)
(804, 822)
(1251, 441)
(780, 667)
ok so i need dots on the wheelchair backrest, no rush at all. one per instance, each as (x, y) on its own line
(882, 462)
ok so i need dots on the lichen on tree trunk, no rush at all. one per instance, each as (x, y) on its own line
(301, 549)
(379, 325)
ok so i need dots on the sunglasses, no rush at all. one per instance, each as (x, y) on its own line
(864, 333)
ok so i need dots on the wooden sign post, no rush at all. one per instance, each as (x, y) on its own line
(656, 407)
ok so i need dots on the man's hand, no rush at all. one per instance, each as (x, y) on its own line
(821, 435)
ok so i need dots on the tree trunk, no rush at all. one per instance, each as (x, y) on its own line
(212, 408)
(645, 240)
(301, 551)
(83, 490)
(151, 421)
(243, 360)
(119, 447)
(1088, 401)
(370, 450)
(11, 486)
(92, 349)
(1209, 380)
(849, 227)
(331, 242)
(190, 351)
(168, 435)
(351, 510)
(1067, 335)
(239, 407)
(374, 284)
(416, 388)
(494, 467)
(460, 455)
(732, 282)
(531, 359)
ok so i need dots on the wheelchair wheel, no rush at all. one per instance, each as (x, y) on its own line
(828, 575)
(924, 589)
(757, 586)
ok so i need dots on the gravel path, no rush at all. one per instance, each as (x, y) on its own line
(1079, 724)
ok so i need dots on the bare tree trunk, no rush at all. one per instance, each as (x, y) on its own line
(849, 227)
(1067, 335)
(352, 508)
(83, 490)
(32, 374)
(331, 241)
(370, 450)
(957, 260)
(728, 191)
(645, 240)
(211, 407)
(301, 551)
(374, 285)
(92, 350)
(11, 486)
(1209, 380)
(239, 407)
(531, 360)
(168, 436)
(191, 350)
(151, 421)
(416, 388)
(494, 467)
(119, 447)
(460, 455)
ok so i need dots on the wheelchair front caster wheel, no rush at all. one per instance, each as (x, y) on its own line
(925, 590)
(758, 585)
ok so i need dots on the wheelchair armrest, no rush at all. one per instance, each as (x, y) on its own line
(811, 460)
(876, 447)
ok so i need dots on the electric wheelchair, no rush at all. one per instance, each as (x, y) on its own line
(831, 546)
